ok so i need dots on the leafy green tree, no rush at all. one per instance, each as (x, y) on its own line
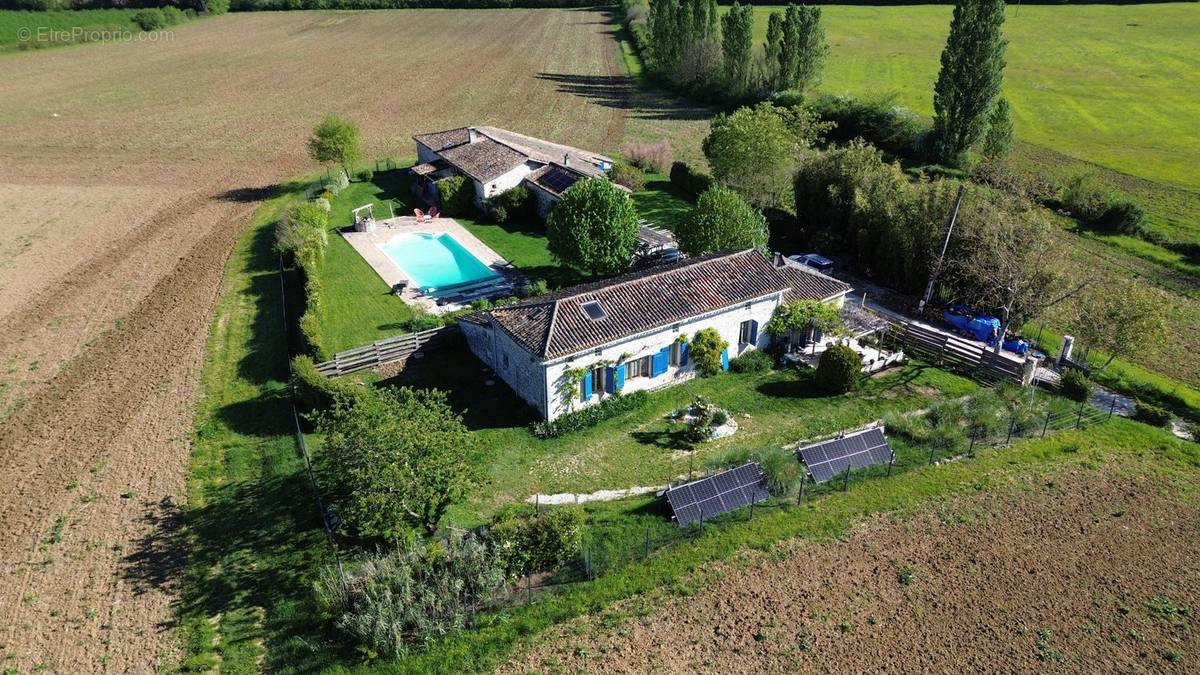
(737, 43)
(755, 150)
(335, 141)
(593, 227)
(970, 77)
(400, 456)
(721, 220)
(1120, 323)
(802, 48)
(999, 137)
(705, 351)
(808, 316)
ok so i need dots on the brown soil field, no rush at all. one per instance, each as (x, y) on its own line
(1083, 570)
(126, 173)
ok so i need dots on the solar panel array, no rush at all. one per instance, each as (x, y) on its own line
(558, 179)
(712, 496)
(828, 459)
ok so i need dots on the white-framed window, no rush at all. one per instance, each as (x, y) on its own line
(638, 368)
(675, 353)
(597, 380)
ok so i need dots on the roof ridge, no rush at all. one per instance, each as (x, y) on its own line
(550, 328)
(635, 277)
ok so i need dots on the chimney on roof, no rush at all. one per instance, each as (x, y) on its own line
(778, 259)
(566, 159)
(472, 135)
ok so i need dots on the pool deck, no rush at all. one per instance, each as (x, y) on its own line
(368, 246)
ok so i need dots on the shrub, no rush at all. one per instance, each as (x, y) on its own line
(628, 175)
(593, 227)
(705, 351)
(366, 175)
(215, 6)
(513, 205)
(589, 416)
(781, 470)
(310, 328)
(877, 120)
(690, 180)
(529, 543)
(1152, 414)
(753, 361)
(149, 19)
(173, 16)
(656, 157)
(1123, 217)
(457, 195)
(1075, 385)
(412, 594)
(839, 370)
(1086, 198)
(314, 391)
(420, 322)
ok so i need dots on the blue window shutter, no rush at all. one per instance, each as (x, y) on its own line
(753, 332)
(683, 354)
(659, 365)
(610, 380)
(618, 378)
(725, 359)
(587, 385)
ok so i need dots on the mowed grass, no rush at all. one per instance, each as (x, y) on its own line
(1114, 85)
(359, 306)
(36, 30)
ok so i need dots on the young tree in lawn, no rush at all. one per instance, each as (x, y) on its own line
(1005, 258)
(999, 137)
(755, 150)
(593, 227)
(970, 78)
(335, 141)
(1119, 322)
(721, 220)
(400, 456)
(737, 43)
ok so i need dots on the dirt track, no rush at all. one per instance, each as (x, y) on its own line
(1060, 573)
(126, 173)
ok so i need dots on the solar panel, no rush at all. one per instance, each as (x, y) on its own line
(712, 496)
(558, 179)
(593, 310)
(831, 458)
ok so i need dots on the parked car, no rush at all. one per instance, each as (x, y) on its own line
(816, 261)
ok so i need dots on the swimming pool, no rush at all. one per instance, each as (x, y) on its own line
(436, 262)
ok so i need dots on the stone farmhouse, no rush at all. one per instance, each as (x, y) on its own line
(495, 160)
(629, 333)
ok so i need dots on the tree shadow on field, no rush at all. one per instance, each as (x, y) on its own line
(249, 194)
(621, 93)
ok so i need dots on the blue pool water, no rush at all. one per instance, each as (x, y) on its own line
(435, 262)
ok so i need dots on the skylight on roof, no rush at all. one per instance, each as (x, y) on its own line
(593, 310)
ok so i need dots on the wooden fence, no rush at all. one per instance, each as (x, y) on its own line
(949, 351)
(380, 352)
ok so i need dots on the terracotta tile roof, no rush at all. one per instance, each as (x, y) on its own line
(484, 159)
(429, 167)
(442, 140)
(556, 325)
(546, 152)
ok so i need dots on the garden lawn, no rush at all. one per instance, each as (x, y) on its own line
(639, 447)
(359, 306)
(1113, 85)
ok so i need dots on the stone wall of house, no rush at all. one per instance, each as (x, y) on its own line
(519, 370)
(542, 201)
(424, 154)
(502, 182)
(727, 321)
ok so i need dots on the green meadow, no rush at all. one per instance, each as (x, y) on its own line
(1112, 85)
(36, 30)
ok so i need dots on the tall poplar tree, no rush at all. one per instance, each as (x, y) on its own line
(737, 43)
(802, 48)
(970, 78)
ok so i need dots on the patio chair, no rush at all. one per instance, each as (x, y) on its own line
(434, 213)
(419, 215)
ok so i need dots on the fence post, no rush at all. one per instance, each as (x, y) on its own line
(1079, 417)
(528, 590)
(890, 463)
(803, 480)
(1111, 408)
(1047, 424)
(971, 450)
(751, 510)
(846, 480)
(1012, 422)
(932, 449)
(647, 544)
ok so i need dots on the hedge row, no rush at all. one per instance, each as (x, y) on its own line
(690, 180)
(589, 416)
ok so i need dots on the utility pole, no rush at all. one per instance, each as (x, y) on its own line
(937, 266)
